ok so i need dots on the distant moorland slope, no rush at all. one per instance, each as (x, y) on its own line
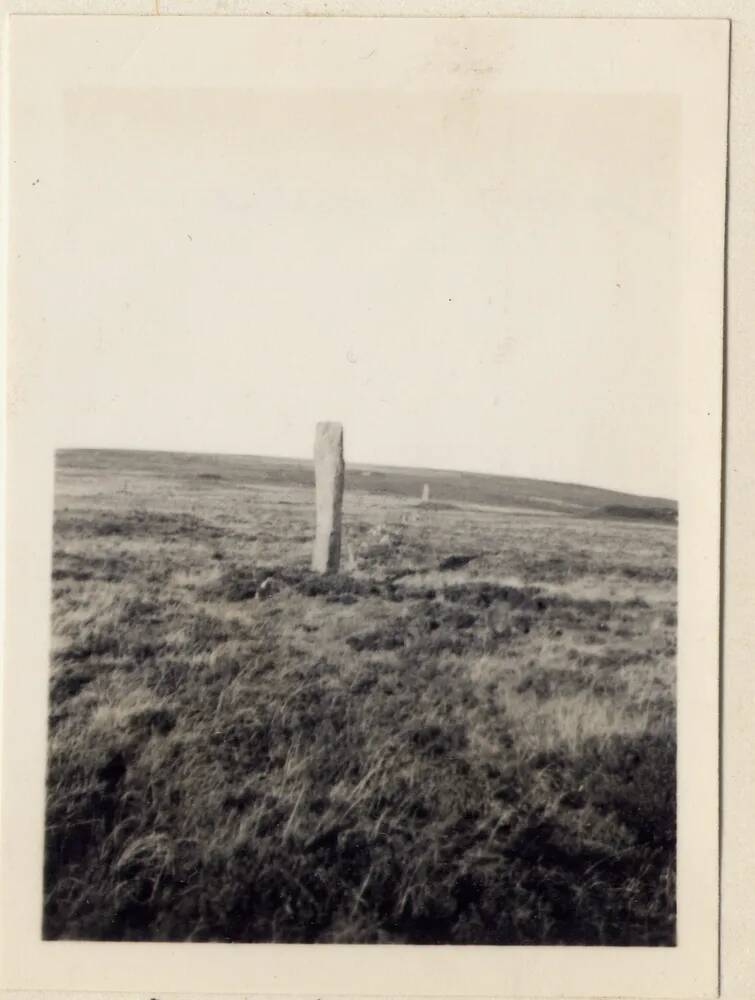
(446, 486)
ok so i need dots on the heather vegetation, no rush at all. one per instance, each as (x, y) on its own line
(467, 736)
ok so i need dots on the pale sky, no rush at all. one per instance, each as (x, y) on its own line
(467, 280)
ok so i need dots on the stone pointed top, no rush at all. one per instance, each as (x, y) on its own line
(329, 427)
(328, 437)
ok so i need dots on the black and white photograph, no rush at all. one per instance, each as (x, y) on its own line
(366, 480)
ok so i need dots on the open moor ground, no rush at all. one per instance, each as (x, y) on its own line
(426, 748)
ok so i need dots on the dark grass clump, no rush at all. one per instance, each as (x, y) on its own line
(359, 811)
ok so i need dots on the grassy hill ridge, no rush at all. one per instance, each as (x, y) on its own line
(445, 485)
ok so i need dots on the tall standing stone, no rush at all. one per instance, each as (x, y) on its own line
(329, 476)
(425, 493)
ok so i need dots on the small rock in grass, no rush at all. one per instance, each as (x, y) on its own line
(267, 588)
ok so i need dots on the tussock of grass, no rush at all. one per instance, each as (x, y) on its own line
(474, 755)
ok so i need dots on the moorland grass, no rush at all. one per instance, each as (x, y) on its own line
(401, 753)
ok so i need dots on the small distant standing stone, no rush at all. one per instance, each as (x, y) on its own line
(425, 493)
(329, 477)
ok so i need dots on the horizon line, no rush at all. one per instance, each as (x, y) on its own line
(374, 465)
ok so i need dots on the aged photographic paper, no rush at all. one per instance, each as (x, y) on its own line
(479, 714)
